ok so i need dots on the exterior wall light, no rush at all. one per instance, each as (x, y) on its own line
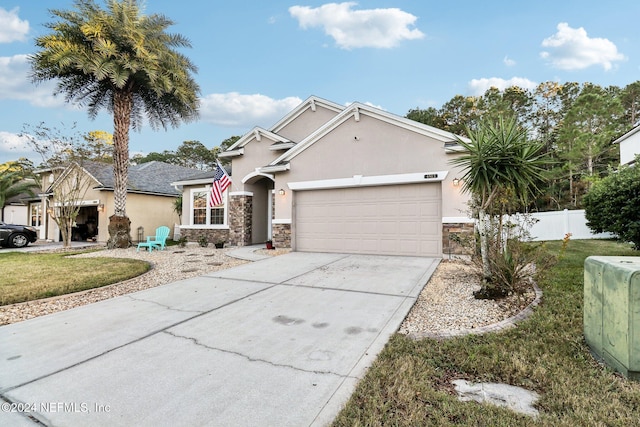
(456, 182)
(101, 207)
(281, 191)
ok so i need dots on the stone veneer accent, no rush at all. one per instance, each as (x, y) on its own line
(281, 235)
(452, 233)
(212, 235)
(240, 214)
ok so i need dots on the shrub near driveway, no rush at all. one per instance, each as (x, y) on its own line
(410, 382)
(30, 276)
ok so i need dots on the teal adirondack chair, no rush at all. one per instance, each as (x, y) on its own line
(158, 241)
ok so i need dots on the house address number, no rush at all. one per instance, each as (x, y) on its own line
(431, 175)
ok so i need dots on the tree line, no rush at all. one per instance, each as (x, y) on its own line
(190, 154)
(576, 123)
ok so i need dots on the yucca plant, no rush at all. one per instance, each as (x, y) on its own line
(498, 160)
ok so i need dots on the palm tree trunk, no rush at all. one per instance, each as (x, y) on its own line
(119, 223)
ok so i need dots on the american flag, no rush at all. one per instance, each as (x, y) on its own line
(221, 182)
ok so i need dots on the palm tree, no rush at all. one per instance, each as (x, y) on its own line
(499, 160)
(121, 60)
(14, 181)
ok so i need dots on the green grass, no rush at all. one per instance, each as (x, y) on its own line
(30, 276)
(409, 384)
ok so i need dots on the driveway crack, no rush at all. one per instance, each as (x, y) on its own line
(168, 307)
(253, 359)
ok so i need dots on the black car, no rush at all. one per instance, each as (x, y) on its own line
(17, 236)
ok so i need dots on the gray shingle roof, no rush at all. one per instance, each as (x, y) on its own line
(152, 177)
(200, 175)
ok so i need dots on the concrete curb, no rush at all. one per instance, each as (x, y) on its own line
(247, 253)
(495, 327)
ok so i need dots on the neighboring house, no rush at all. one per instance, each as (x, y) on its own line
(629, 146)
(16, 209)
(24, 208)
(331, 178)
(150, 200)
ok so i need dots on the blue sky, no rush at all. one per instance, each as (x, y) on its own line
(259, 59)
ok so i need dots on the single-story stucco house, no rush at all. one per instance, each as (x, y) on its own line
(629, 146)
(150, 200)
(335, 178)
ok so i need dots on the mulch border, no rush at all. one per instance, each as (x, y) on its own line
(507, 323)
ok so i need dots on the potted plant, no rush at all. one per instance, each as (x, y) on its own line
(219, 244)
(203, 241)
(269, 244)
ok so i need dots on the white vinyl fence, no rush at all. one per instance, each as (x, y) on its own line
(555, 225)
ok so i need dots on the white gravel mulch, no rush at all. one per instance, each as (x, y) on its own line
(170, 265)
(447, 303)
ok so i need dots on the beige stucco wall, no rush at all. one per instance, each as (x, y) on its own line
(147, 211)
(371, 147)
(256, 154)
(144, 210)
(306, 123)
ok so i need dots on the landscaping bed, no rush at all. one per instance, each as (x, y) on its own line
(411, 381)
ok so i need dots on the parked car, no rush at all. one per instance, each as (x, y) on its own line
(17, 236)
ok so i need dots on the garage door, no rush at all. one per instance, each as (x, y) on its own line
(385, 220)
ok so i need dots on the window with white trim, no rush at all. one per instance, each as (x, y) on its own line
(36, 214)
(202, 214)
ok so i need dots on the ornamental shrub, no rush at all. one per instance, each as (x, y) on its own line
(613, 204)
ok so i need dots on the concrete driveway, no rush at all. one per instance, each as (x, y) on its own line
(277, 342)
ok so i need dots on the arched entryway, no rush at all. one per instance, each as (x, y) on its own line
(261, 187)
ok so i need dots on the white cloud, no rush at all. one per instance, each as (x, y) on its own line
(572, 49)
(378, 28)
(508, 61)
(378, 106)
(478, 87)
(16, 85)
(13, 146)
(370, 104)
(237, 110)
(12, 28)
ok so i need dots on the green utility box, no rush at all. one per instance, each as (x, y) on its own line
(612, 311)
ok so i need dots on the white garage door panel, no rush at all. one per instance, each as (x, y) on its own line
(395, 220)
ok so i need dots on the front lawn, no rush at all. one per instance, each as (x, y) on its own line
(409, 384)
(30, 276)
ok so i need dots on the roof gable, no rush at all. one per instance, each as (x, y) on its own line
(80, 170)
(354, 111)
(255, 134)
(310, 103)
